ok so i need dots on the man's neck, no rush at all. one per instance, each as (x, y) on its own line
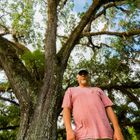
(80, 85)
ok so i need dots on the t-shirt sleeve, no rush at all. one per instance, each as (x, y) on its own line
(67, 100)
(105, 99)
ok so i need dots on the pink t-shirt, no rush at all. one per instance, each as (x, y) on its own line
(88, 109)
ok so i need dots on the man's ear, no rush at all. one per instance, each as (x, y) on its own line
(77, 77)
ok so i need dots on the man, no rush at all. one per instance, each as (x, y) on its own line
(91, 109)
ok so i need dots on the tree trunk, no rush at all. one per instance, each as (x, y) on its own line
(25, 118)
(42, 128)
(42, 123)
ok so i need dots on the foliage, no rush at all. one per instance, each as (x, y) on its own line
(9, 119)
(132, 132)
(35, 61)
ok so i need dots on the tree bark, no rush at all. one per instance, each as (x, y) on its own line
(120, 34)
(44, 121)
(21, 82)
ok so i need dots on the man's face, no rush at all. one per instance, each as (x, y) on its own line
(82, 79)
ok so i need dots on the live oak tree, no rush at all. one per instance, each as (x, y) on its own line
(39, 90)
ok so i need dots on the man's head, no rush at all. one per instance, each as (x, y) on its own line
(83, 78)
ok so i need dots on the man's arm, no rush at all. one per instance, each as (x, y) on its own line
(67, 122)
(117, 131)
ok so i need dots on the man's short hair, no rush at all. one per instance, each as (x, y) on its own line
(83, 72)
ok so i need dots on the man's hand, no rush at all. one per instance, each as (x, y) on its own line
(118, 135)
(67, 122)
(117, 131)
(70, 135)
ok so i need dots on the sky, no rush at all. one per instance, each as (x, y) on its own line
(79, 4)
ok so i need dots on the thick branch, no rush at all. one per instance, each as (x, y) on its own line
(107, 6)
(4, 33)
(74, 37)
(130, 85)
(120, 34)
(124, 88)
(131, 96)
(9, 127)
(18, 76)
(20, 48)
(50, 48)
(8, 100)
(50, 44)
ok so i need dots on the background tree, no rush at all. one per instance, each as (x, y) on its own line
(37, 79)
